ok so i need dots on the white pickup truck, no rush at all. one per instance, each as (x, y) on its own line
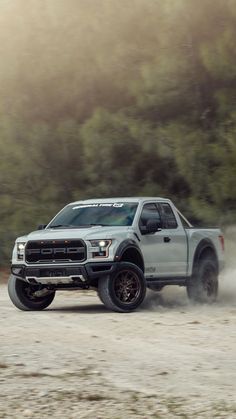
(118, 247)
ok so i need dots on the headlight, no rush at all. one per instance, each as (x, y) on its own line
(100, 248)
(20, 250)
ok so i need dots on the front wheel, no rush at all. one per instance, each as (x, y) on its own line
(28, 297)
(203, 285)
(124, 290)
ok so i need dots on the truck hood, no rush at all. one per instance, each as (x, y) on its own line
(96, 232)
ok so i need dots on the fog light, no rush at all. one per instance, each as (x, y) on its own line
(17, 271)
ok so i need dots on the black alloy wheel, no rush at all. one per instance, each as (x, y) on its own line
(124, 290)
(26, 296)
(203, 285)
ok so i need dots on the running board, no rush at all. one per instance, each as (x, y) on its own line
(181, 281)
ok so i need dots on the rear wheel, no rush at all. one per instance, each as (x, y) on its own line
(203, 285)
(26, 296)
(124, 290)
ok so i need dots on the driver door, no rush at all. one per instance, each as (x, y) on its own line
(165, 251)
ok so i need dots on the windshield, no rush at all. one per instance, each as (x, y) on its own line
(102, 214)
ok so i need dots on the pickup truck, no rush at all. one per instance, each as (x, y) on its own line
(119, 247)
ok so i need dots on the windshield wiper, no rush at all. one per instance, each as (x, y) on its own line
(79, 226)
(62, 226)
(98, 224)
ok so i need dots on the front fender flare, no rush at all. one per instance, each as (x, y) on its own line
(126, 245)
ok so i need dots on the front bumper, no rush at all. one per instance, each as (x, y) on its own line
(63, 274)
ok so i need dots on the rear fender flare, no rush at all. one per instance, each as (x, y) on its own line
(205, 245)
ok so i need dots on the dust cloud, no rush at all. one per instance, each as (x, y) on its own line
(227, 291)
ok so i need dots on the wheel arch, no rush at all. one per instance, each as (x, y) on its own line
(205, 249)
(129, 251)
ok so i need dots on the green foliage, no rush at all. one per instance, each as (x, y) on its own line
(98, 98)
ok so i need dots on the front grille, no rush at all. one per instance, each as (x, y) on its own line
(51, 251)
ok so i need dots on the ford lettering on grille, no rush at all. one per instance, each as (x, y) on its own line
(55, 251)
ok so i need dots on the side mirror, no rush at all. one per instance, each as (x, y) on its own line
(42, 226)
(153, 226)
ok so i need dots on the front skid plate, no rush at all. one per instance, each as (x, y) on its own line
(56, 280)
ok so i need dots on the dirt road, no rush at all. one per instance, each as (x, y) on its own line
(78, 360)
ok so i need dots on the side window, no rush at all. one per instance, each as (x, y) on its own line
(168, 217)
(149, 212)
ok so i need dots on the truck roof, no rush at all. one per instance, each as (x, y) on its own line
(122, 199)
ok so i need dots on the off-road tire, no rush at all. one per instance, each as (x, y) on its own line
(203, 285)
(21, 294)
(124, 290)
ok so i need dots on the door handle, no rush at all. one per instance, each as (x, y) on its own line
(167, 239)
